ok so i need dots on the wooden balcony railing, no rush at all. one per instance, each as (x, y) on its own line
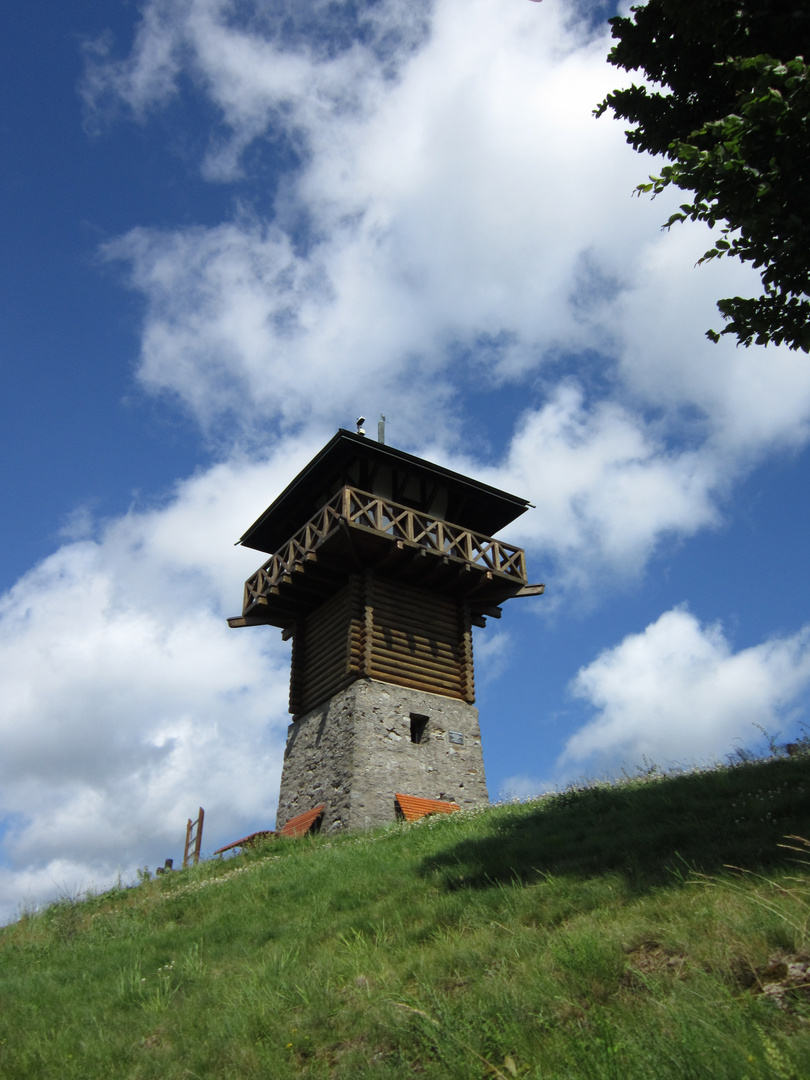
(371, 513)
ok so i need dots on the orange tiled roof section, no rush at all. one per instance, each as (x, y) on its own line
(246, 841)
(413, 807)
(297, 826)
(300, 825)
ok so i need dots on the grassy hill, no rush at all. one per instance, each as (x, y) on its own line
(599, 933)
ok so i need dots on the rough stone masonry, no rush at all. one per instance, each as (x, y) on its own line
(373, 739)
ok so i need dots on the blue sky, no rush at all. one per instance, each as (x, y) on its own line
(229, 228)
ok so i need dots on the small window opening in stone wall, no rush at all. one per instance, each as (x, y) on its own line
(418, 728)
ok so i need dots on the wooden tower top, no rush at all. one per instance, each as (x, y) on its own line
(353, 460)
(360, 505)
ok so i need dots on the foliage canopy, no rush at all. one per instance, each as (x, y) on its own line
(733, 116)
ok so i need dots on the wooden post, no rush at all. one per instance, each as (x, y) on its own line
(195, 837)
(198, 845)
(188, 843)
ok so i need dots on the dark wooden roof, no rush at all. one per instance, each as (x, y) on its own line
(354, 459)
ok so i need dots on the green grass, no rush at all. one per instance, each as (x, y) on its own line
(597, 933)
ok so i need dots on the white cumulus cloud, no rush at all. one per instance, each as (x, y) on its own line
(678, 692)
(127, 700)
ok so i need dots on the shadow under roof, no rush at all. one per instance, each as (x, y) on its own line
(349, 458)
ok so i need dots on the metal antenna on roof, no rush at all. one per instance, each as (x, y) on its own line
(360, 421)
(381, 429)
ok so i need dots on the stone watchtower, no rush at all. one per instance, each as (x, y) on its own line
(380, 564)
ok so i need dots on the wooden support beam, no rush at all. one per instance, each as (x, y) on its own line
(531, 590)
(247, 620)
(490, 610)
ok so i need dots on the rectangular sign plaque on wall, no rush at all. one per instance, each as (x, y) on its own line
(456, 737)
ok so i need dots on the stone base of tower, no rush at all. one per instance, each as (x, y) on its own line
(373, 739)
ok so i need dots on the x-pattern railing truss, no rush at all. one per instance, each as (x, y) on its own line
(361, 510)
